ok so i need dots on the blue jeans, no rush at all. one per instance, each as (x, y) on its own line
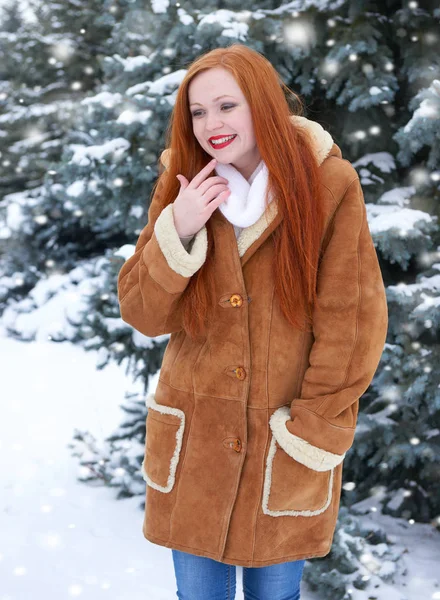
(202, 578)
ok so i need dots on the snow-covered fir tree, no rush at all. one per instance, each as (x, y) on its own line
(370, 74)
(47, 67)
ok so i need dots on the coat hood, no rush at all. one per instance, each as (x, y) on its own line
(322, 141)
(252, 237)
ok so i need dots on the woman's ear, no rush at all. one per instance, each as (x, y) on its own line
(165, 157)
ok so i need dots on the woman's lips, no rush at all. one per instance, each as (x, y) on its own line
(218, 146)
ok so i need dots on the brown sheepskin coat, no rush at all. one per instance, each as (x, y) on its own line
(247, 430)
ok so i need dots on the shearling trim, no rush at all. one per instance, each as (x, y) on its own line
(268, 482)
(151, 403)
(321, 139)
(248, 235)
(311, 456)
(182, 262)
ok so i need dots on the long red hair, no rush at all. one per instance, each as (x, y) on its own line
(293, 179)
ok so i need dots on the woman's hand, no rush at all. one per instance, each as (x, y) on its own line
(198, 199)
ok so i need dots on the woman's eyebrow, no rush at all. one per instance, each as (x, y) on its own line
(214, 100)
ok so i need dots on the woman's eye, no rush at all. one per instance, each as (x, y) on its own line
(227, 106)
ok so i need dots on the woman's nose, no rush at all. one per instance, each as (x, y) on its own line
(213, 123)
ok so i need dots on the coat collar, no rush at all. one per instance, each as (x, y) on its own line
(251, 238)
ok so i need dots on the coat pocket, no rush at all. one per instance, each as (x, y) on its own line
(163, 442)
(291, 488)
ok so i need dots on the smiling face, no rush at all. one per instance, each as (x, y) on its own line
(222, 117)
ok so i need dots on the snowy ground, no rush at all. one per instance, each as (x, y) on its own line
(61, 538)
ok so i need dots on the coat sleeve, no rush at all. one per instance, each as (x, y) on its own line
(350, 320)
(152, 281)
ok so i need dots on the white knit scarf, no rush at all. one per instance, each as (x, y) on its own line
(245, 204)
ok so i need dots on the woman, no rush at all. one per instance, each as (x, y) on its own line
(277, 313)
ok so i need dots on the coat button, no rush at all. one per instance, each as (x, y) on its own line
(236, 445)
(240, 373)
(236, 300)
